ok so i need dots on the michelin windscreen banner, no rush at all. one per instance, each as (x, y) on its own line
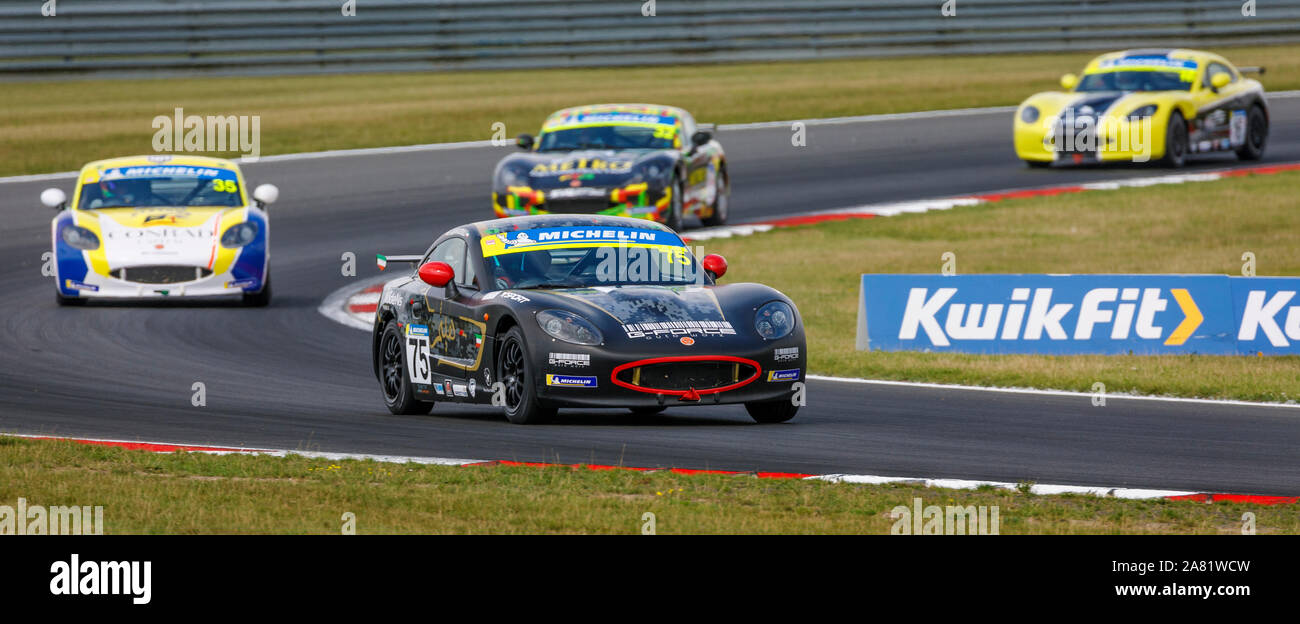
(1080, 314)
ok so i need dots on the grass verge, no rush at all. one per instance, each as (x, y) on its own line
(58, 126)
(192, 493)
(1199, 227)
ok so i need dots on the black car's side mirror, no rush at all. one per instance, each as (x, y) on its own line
(701, 138)
(525, 141)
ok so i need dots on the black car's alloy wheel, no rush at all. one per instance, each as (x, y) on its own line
(513, 371)
(1256, 135)
(398, 392)
(1175, 141)
(772, 411)
(720, 203)
(674, 219)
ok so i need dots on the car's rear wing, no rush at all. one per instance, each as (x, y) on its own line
(1253, 69)
(382, 260)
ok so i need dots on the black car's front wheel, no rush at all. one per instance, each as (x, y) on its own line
(1256, 135)
(720, 203)
(399, 395)
(1175, 141)
(674, 218)
(259, 299)
(514, 370)
(772, 411)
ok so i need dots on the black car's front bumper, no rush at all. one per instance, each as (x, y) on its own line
(569, 375)
(641, 200)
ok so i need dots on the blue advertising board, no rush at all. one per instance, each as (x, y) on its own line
(1080, 314)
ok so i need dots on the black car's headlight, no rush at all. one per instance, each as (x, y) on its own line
(774, 320)
(1145, 111)
(569, 327)
(239, 235)
(80, 237)
(1029, 114)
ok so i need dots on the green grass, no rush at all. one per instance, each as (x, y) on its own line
(58, 126)
(1190, 228)
(194, 493)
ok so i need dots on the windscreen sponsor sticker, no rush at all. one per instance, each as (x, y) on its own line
(570, 381)
(1147, 62)
(610, 118)
(118, 173)
(577, 238)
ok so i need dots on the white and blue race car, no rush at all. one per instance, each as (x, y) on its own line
(148, 227)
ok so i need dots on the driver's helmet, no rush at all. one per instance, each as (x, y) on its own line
(123, 192)
(512, 269)
(1128, 81)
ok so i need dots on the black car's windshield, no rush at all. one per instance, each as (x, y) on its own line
(1137, 81)
(161, 186)
(607, 137)
(589, 257)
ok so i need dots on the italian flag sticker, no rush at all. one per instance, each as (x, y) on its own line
(382, 261)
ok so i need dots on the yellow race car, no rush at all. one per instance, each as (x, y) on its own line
(1141, 105)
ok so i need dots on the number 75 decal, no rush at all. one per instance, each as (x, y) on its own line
(417, 354)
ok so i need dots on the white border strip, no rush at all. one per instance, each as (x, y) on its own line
(1060, 393)
(957, 484)
(334, 307)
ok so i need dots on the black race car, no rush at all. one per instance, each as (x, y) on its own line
(634, 160)
(541, 312)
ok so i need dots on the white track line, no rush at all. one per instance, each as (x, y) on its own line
(1060, 393)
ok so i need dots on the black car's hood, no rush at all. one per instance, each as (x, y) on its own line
(649, 304)
(585, 167)
(654, 311)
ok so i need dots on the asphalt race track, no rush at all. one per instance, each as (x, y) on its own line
(287, 377)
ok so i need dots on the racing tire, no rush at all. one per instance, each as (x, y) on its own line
(1256, 135)
(674, 218)
(399, 394)
(720, 204)
(1175, 141)
(772, 411)
(68, 301)
(515, 373)
(259, 299)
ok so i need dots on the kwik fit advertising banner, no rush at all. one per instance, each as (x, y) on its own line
(1080, 314)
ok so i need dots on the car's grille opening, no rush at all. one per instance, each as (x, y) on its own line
(590, 205)
(160, 274)
(678, 376)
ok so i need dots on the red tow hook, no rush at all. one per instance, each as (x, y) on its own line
(690, 395)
